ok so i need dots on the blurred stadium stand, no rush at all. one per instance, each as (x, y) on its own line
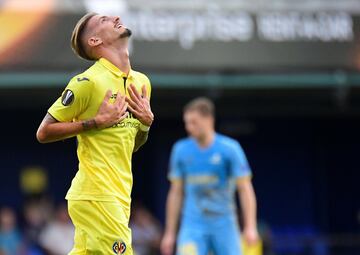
(284, 74)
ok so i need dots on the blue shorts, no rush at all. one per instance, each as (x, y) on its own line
(219, 239)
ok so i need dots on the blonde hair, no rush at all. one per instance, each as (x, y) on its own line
(77, 44)
(202, 105)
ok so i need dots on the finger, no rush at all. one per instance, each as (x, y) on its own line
(119, 99)
(122, 102)
(133, 96)
(144, 92)
(135, 92)
(131, 102)
(107, 95)
(135, 112)
(123, 116)
(123, 108)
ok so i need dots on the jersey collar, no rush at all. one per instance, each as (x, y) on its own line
(114, 69)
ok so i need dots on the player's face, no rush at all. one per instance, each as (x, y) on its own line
(197, 125)
(109, 28)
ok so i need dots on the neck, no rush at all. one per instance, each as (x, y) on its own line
(207, 139)
(118, 57)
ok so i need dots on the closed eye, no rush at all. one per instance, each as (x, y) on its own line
(102, 19)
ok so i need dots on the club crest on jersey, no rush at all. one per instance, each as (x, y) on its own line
(215, 159)
(119, 247)
(67, 98)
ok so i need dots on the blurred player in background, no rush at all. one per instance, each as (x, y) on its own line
(205, 168)
(107, 107)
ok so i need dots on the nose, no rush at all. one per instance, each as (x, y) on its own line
(116, 19)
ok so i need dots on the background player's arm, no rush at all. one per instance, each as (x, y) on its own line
(173, 208)
(51, 130)
(240, 170)
(248, 206)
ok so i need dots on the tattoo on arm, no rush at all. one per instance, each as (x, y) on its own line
(89, 124)
(140, 139)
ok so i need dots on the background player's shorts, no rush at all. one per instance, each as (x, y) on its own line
(100, 228)
(219, 239)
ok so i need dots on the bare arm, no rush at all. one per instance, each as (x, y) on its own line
(173, 208)
(248, 206)
(51, 130)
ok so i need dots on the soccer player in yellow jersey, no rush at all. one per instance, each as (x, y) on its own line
(107, 108)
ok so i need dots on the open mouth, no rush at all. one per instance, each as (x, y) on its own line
(118, 25)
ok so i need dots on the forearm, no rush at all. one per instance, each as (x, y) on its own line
(248, 205)
(59, 131)
(56, 131)
(173, 208)
(140, 139)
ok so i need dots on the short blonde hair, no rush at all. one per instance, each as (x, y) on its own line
(202, 105)
(76, 38)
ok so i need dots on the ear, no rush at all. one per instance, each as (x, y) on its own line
(94, 41)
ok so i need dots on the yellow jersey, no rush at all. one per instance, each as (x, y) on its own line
(104, 172)
(255, 249)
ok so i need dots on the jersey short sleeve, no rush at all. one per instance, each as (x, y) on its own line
(175, 168)
(239, 166)
(73, 101)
